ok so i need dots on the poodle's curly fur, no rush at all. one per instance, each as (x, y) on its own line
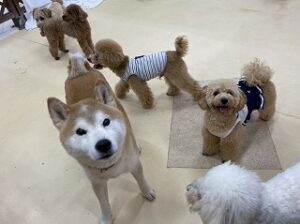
(230, 194)
(220, 118)
(56, 21)
(108, 53)
(76, 25)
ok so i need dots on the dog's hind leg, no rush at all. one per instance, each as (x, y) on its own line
(121, 89)
(90, 43)
(211, 143)
(173, 90)
(100, 189)
(142, 90)
(138, 174)
(61, 44)
(85, 47)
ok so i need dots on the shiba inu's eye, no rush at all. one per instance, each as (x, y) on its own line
(106, 122)
(81, 131)
(216, 92)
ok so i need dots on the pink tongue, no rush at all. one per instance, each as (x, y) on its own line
(223, 109)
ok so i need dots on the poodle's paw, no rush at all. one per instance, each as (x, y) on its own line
(208, 153)
(173, 91)
(56, 58)
(265, 117)
(149, 103)
(150, 195)
(192, 194)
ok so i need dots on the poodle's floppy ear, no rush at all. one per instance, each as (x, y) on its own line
(202, 102)
(82, 15)
(104, 94)
(243, 101)
(58, 111)
(113, 59)
(47, 12)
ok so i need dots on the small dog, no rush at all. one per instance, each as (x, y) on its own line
(95, 130)
(229, 194)
(50, 23)
(135, 72)
(228, 105)
(76, 25)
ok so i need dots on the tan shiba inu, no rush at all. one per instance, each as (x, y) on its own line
(95, 130)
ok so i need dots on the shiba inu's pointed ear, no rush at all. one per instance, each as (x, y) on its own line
(58, 111)
(104, 94)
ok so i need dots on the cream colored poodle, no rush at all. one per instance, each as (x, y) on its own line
(228, 105)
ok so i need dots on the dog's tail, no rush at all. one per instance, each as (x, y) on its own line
(181, 45)
(257, 73)
(59, 1)
(77, 65)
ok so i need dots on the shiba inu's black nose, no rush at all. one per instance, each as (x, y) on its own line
(103, 145)
(224, 101)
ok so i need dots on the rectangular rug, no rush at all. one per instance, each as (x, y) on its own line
(185, 150)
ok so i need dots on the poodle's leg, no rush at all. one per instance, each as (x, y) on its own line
(61, 45)
(231, 144)
(85, 47)
(142, 90)
(211, 143)
(270, 100)
(138, 174)
(185, 82)
(173, 90)
(53, 48)
(121, 89)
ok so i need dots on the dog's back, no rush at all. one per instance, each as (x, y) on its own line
(82, 79)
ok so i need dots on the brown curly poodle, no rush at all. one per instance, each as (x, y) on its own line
(57, 21)
(76, 25)
(135, 72)
(228, 105)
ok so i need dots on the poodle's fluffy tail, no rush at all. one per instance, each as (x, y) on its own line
(77, 65)
(181, 45)
(59, 1)
(226, 194)
(257, 73)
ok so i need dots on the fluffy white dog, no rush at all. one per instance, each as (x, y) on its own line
(230, 194)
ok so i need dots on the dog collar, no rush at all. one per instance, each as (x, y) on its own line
(102, 170)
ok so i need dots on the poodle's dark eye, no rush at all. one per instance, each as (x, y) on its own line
(81, 131)
(216, 92)
(42, 18)
(106, 122)
(230, 92)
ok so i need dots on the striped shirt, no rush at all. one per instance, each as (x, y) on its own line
(146, 67)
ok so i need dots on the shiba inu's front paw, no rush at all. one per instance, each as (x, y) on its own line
(150, 195)
(106, 220)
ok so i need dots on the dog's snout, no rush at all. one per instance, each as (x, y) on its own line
(224, 101)
(103, 146)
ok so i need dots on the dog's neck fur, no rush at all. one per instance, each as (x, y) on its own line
(120, 70)
(217, 123)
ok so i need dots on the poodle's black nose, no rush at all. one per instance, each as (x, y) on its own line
(103, 145)
(224, 101)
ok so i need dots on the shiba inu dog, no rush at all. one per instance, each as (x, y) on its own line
(95, 130)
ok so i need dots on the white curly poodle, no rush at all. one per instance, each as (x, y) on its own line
(230, 194)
